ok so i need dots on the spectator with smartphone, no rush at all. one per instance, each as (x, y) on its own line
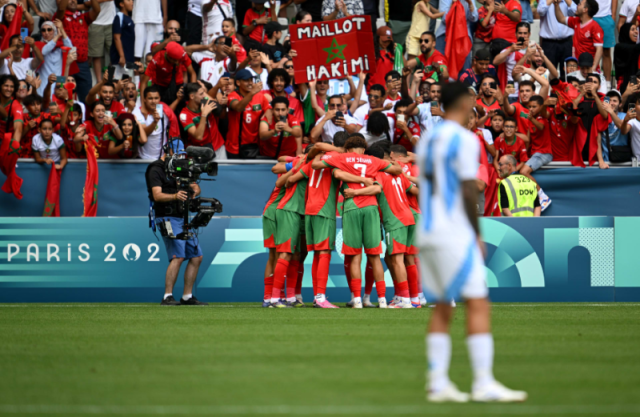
(612, 104)
(229, 30)
(393, 81)
(593, 117)
(199, 120)
(124, 37)
(585, 63)
(52, 32)
(98, 124)
(537, 60)
(480, 65)
(213, 14)
(487, 98)
(429, 112)
(171, 35)
(333, 121)
(132, 134)
(218, 57)
(407, 129)
(105, 91)
(20, 66)
(254, 20)
(430, 59)
(159, 123)
(77, 25)
(511, 55)
(254, 64)
(377, 95)
(631, 126)
(280, 132)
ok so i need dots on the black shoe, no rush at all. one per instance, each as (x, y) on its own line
(170, 301)
(193, 301)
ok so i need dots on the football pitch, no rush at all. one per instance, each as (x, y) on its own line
(239, 359)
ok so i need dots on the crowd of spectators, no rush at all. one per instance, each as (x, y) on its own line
(131, 74)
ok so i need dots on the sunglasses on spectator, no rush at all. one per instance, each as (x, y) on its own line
(46, 30)
(288, 66)
(424, 40)
(372, 97)
(334, 106)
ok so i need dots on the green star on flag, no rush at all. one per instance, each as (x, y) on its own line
(95, 195)
(334, 51)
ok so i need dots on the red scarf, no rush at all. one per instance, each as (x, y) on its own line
(458, 44)
(503, 77)
(9, 154)
(65, 53)
(90, 193)
(52, 198)
(566, 93)
(13, 29)
(599, 124)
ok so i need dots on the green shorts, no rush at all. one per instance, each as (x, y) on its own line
(268, 232)
(361, 227)
(413, 250)
(100, 38)
(288, 228)
(320, 233)
(400, 240)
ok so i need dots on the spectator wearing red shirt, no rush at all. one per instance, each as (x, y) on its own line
(488, 99)
(510, 144)
(99, 124)
(508, 15)
(526, 90)
(280, 132)
(385, 56)
(407, 128)
(587, 34)
(253, 26)
(8, 14)
(246, 107)
(486, 22)
(105, 91)
(167, 70)
(432, 61)
(278, 81)
(199, 121)
(480, 65)
(76, 24)
(229, 30)
(540, 139)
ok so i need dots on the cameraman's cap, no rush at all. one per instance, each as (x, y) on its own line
(176, 145)
(244, 74)
(175, 51)
(585, 60)
(483, 55)
(271, 27)
(385, 33)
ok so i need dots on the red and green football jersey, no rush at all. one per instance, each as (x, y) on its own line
(413, 171)
(394, 205)
(361, 165)
(270, 208)
(295, 196)
(211, 135)
(322, 191)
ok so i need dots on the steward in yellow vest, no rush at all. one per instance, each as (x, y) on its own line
(517, 194)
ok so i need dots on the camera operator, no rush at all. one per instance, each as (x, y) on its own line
(163, 191)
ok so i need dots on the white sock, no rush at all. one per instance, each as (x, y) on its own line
(187, 297)
(275, 300)
(405, 300)
(320, 298)
(291, 299)
(421, 297)
(438, 359)
(541, 194)
(367, 298)
(415, 299)
(357, 299)
(167, 295)
(299, 296)
(481, 357)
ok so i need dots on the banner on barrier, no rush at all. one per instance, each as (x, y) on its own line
(119, 259)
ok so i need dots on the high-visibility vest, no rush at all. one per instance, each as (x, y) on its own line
(522, 194)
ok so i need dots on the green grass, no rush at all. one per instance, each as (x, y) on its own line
(236, 359)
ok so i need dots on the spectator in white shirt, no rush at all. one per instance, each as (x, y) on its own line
(213, 14)
(331, 123)
(20, 65)
(215, 60)
(148, 18)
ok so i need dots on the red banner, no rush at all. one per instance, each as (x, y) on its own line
(9, 154)
(458, 44)
(90, 194)
(333, 49)
(52, 199)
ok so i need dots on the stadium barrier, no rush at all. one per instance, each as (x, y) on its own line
(243, 189)
(120, 260)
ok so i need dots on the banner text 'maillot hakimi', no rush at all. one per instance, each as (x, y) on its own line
(333, 49)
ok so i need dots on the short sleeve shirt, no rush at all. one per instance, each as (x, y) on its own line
(211, 135)
(160, 70)
(541, 138)
(257, 34)
(436, 58)
(14, 109)
(505, 28)
(586, 37)
(48, 150)
(99, 138)
(289, 145)
(210, 70)
(517, 149)
(250, 121)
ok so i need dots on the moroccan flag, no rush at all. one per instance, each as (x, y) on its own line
(566, 93)
(52, 199)
(14, 28)
(90, 194)
(458, 44)
(491, 207)
(599, 124)
(9, 153)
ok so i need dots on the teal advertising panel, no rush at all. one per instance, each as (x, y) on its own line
(120, 260)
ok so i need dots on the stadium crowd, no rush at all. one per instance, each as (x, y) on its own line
(128, 76)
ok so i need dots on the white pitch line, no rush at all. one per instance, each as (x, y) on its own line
(478, 409)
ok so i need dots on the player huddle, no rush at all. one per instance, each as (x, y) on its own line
(378, 183)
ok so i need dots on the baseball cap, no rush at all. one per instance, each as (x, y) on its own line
(585, 60)
(175, 51)
(243, 74)
(271, 27)
(483, 55)
(571, 58)
(385, 33)
(176, 145)
(615, 92)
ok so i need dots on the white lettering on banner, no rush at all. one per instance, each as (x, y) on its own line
(338, 69)
(11, 254)
(337, 27)
(311, 72)
(335, 70)
(87, 256)
(35, 253)
(323, 72)
(52, 254)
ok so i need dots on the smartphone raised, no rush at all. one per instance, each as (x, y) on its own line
(283, 119)
(60, 79)
(203, 101)
(606, 99)
(159, 109)
(632, 107)
(400, 118)
(633, 79)
(434, 104)
(24, 32)
(493, 86)
(339, 115)
(130, 66)
(110, 73)
(228, 42)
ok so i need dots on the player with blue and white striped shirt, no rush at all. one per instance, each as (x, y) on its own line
(451, 252)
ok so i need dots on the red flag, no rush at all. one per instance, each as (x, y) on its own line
(90, 194)
(599, 124)
(9, 154)
(566, 93)
(14, 28)
(52, 199)
(458, 44)
(491, 207)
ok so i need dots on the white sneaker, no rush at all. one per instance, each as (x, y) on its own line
(496, 392)
(423, 300)
(449, 394)
(453, 303)
(350, 304)
(368, 304)
(382, 303)
(357, 304)
(401, 304)
(545, 203)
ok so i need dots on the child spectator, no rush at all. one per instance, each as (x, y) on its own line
(48, 148)
(510, 144)
(124, 37)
